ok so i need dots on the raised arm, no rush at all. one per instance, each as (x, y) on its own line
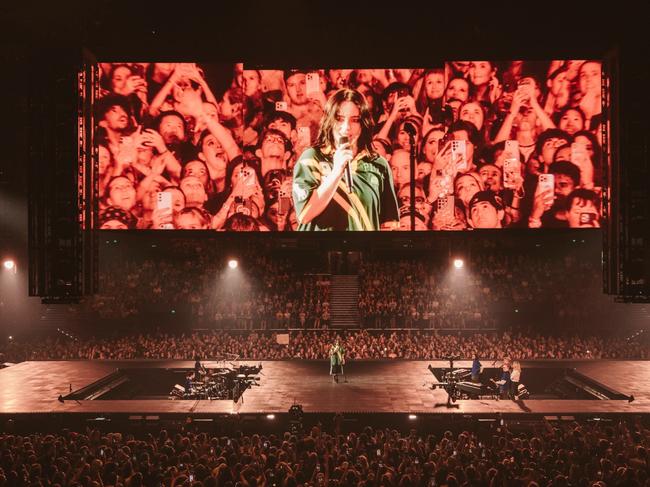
(403, 103)
(194, 107)
(161, 96)
(543, 117)
(506, 127)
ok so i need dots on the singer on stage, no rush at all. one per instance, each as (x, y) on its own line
(342, 183)
(337, 360)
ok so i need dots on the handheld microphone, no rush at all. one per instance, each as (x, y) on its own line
(348, 173)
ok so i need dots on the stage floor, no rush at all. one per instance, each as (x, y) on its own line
(371, 387)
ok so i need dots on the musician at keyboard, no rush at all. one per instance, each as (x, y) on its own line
(504, 381)
(199, 369)
(477, 368)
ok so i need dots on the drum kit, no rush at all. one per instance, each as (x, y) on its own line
(212, 384)
(227, 383)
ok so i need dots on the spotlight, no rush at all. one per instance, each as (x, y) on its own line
(232, 263)
(458, 263)
(412, 417)
(270, 416)
(9, 264)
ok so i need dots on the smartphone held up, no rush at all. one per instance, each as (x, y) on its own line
(164, 203)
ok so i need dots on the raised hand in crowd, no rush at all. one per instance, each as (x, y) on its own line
(542, 202)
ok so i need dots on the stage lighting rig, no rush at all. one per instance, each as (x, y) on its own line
(296, 414)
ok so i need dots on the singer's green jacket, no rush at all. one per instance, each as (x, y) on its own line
(371, 203)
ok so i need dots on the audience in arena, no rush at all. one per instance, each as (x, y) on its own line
(177, 297)
(548, 453)
(502, 285)
(265, 292)
(497, 285)
(312, 345)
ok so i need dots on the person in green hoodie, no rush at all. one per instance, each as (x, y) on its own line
(337, 360)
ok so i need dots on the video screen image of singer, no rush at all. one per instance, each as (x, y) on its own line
(462, 146)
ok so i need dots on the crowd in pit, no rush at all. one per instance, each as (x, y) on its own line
(547, 454)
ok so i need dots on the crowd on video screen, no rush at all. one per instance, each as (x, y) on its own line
(222, 147)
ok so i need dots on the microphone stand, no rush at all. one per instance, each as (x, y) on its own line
(411, 130)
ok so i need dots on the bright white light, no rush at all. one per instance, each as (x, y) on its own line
(458, 263)
(232, 263)
(412, 416)
(9, 264)
(270, 416)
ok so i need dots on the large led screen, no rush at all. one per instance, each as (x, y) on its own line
(461, 146)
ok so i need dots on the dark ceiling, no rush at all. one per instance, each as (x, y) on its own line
(297, 30)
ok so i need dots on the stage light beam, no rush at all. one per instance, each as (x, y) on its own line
(459, 263)
(9, 264)
(232, 263)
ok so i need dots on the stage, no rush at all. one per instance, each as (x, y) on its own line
(386, 387)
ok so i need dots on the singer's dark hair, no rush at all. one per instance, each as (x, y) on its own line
(325, 139)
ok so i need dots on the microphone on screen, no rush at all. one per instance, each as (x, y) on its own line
(343, 140)
(410, 129)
